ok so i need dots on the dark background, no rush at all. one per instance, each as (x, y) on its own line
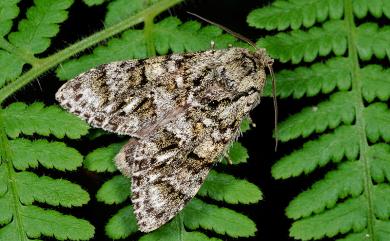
(269, 215)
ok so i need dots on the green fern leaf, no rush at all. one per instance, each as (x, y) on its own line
(168, 34)
(38, 221)
(372, 40)
(93, 2)
(353, 198)
(330, 147)
(346, 216)
(41, 24)
(122, 224)
(346, 181)
(174, 231)
(378, 122)
(328, 114)
(376, 83)
(121, 9)
(9, 11)
(319, 78)
(295, 13)
(221, 220)
(49, 154)
(114, 191)
(377, 8)
(36, 118)
(101, 159)
(238, 153)
(33, 34)
(47, 190)
(223, 187)
(301, 45)
(379, 155)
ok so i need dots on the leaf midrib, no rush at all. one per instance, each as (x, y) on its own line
(359, 110)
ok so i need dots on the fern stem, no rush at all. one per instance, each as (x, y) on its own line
(52, 61)
(359, 108)
(151, 51)
(7, 156)
(180, 226)
(20, 53)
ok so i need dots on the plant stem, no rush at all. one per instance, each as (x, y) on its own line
(6, 159)
(150, 49)
(360, 121)
(55, 59)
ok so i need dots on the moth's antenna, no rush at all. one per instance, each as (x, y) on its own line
(250, 42)
(239, 36)
(271, 71)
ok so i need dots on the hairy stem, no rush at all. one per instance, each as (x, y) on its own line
(55, 59)
(359, 109)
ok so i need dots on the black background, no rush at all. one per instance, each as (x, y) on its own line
(268, 214)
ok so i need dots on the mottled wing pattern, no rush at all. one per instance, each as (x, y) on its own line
(168, 169)
(123, 97)
(183, 111)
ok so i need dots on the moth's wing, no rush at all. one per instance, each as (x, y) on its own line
(122, 97)
(167, 169)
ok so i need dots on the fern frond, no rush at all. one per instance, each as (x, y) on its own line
(346, 181)
(328, 114)
(346, 216)
(221, 220)
(38, 221)
(174, 231)
(330, 147)
(379, 155)
(299, 45)
(93, 2)
(376, 8)
(224, 187)
(49, 154)
(372, 40)
(20, 192)
(114, 191)
(122, 224)
(318, 78)
(36, 118)
(168, 34)
(378, 122)
(9, 11)
(121, 9)
(48, 190)
(295, 14)
(100, 160)
(42, 21)
(238, 153)
(376, 83)
(351, 201)
(33, 35)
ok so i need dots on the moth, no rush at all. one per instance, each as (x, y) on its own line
(182, 111)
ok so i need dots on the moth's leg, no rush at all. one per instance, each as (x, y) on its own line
(212, 44)
(226, 156)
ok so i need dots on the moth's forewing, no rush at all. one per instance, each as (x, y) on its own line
(183, 110)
